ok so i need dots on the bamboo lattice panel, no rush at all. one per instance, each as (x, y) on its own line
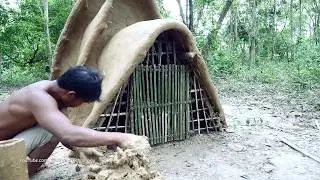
(163, 99)
(160, 108)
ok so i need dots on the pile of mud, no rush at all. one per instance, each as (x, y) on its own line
(131, 163)
(124, 164)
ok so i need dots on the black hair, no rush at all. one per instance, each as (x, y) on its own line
(85, 81)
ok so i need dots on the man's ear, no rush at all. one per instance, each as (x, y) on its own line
(71, 95)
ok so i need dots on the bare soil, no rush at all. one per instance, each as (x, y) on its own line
(260, 118)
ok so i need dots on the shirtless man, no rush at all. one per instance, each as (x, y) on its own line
(34, 114)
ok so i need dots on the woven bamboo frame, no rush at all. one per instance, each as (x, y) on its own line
(163, 99)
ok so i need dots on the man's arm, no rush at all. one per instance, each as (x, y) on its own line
(48, 116)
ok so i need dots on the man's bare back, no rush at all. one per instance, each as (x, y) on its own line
(15, 114)
(34, 113)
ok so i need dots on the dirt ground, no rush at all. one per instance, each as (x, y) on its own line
(260, 120)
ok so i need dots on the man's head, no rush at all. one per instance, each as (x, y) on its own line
(82, 84)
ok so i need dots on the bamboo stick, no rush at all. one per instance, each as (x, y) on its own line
(176, 71)
(303, 152)
(197, 107)
(159, 97)
(163, 101)
(129, 93)
(155, 81)
(151, 59)
(179, 104)
(170, 96)
(140, 117)
(153, 49)
(119, 104)
(159, 81)
(135, 110)
(143, 99)
(187, 81)
(173, 129)
(174, 53)
(212, 115)
(114, 106)
(183, 100)
(160, 52)
(156, 102)
(152, 108)
(166, 108)
(204, 114)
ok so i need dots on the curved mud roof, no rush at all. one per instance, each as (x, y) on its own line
(128, 48)
(114, 37)
(90, 26)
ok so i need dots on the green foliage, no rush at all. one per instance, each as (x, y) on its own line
(302, 73)
(23, 40)
(164, 13)
(18, 75)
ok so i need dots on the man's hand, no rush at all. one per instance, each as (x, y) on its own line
(86, 153)
(135, 142)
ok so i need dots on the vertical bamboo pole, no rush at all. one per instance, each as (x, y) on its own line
(203, 108)
(181, 101)
(170, 125)
(178, 92)
(128, 105)
(175, 100)
(191, 105)
(160, 105)
(175, 90)
(154, 89)
(155, 82)
(173, 103)
(163, 101)
(143, 99)
(187, 81)
(150, 76)
(212, 116)
(113, 108)
(197, 107)
(176, 72)
(184, 101)
(119, 101)
(166, 100)
(136, 101)
(134, 104)
(148, 100)
(160, 81)
(140, 114)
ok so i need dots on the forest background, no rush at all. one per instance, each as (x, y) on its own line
(267, 42)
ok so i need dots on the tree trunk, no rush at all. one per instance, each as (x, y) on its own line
(181, 12)
(292, 44)
(213, 33)
(191, 27)
(46, 20)
(234, 23)
(252, 35)
(300, 21)
(273, 30)
(316, 27)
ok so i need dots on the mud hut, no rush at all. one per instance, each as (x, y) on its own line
(156, 82)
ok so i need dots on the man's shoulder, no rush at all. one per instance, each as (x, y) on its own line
(37, 93)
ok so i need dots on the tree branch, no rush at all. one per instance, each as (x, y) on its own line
(214, 31)
(181, 12)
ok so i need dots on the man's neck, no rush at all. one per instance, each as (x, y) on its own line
(56, 92)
